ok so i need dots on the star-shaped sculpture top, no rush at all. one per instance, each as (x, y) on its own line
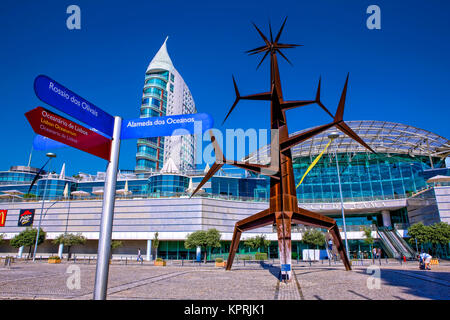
(272, 46)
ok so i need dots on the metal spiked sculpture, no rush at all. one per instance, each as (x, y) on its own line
(283, 209)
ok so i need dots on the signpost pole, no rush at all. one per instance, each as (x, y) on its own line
(51, 156)
(104, 242)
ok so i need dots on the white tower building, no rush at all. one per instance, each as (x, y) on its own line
(165, 93)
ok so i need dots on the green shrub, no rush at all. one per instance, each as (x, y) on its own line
(159, 260)
(219, 260)
(245, 257)
(294, 255)
(54, 258)
(260, 256)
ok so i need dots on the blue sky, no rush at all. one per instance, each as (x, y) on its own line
(400, 73)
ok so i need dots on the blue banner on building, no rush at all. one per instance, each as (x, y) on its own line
(166, 126)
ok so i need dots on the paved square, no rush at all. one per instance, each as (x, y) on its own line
(254, 281)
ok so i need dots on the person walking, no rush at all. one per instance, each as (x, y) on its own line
(139, 257)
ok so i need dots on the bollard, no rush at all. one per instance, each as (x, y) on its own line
(182, 263)
(386, 260)
(89, 260)
(244, 262)
(126, 260)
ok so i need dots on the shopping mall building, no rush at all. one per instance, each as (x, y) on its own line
(406, 181)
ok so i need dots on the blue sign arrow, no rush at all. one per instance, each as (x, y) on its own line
(166, 126)
(44, 143)
(58, 96)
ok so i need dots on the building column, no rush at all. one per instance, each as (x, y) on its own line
(20, 253)
(199, 253)
(149, 250)
(386, 218)
(60, 250)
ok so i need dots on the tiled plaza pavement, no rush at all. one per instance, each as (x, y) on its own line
(253, 281)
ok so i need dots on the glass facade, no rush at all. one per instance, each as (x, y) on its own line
(363, 177)
(54, 188)
(16, 179)
(154, 104)
(167, 185)
(10, 176)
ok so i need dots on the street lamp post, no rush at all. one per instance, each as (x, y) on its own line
(50, 156)
(333, 136)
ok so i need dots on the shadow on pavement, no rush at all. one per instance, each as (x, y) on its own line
(421, 283)
(275, 271)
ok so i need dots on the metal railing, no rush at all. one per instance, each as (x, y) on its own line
(139, 195)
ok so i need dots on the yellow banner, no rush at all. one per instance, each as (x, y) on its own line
(313, 163)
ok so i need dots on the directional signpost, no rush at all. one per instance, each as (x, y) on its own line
(55, 129)
(58, 96)
(60, 129)
(166, 126)
(68, 132)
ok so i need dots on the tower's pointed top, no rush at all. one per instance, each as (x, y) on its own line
(161, 60)
(62, 175)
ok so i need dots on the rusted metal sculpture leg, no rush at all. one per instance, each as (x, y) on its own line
(334, 231)
(283, 222)
(313, 219)
(257, 220)
(234, 247)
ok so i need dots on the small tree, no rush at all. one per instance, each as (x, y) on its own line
(69, 240)
(420, 233)
(155, 244)
(435, 234)
(114, 245)
(257, 242)
(368, 238)
(27, 238)
(203, 239)
(440, 233)
(314, 237)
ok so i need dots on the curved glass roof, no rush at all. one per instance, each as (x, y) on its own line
(381, 136)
